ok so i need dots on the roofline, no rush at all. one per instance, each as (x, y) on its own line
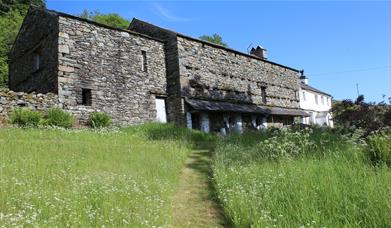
(96, 23)
(219, 46)
(236, 52)
(315, 90)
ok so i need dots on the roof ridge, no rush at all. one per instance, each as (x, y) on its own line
(305, 86)
(34, 7)
(216, 45)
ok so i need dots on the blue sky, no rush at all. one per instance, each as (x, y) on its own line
(338, 44)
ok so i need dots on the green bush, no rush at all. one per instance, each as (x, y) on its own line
(379, 147)
(99, 120)
(24, 117)
(59, 118)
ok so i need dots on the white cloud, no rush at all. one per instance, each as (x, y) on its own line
(166, 14)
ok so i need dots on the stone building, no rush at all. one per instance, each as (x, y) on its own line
(90, 66)
(148, 73)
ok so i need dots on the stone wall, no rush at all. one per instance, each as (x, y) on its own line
(38, 35)
(9, 100)
(213, 73)
(109, 63)
(175, 104)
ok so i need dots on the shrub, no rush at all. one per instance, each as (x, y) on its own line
(379, 147)
(24, 117)
(99, 120)
(59, 118)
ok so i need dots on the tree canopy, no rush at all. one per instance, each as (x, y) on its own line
(215, 38)
(20, 6)
(110, 19)
(369, 117)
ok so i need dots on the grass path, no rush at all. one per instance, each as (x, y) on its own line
(193, 201)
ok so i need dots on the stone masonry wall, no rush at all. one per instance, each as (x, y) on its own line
(175, 106)
(9, 100)
(109, 62)
(213, 73)
(38, 34)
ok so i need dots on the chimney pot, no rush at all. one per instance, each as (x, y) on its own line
(303, 78)
(259, 52)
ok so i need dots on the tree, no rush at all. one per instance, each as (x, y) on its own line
(110, 19)
(10, 23)
(215, 38)
(360, 114)
(20, 6)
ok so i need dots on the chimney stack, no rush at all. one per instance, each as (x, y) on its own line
(303, 78)
(259, 52)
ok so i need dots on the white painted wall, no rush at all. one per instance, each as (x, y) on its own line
(205, 125)
(315, 104)
(161, 115)
(189, 121)
(238, 123)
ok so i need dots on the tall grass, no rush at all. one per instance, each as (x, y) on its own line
(291, 179)
(84, 178)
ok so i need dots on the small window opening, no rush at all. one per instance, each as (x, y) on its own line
(37, 60)
(144, 65)
(304, 96)
(86, 97)
(263, 94)
(316, 99)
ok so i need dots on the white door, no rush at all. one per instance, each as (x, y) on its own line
(161, 115)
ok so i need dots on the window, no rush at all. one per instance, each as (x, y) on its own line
(86, 97)
(37, 60)
(263, 94)
(144, 66)
(322, 99)
(316, 99)
(303, 95)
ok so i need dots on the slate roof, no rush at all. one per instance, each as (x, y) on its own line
(214, 106)
(135, 20)
(57, 13)
(307, 87)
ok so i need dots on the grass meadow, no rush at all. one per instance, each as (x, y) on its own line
(129, 177)
(300, 179)
(87, 178)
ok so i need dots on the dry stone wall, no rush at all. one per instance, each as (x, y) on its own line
(109, 62)
(9, 100)
(214, 73)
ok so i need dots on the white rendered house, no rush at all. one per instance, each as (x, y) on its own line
(316, 103)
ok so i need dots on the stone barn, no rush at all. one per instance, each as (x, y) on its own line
(91, 67)
(148, 73)
(214, 88)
